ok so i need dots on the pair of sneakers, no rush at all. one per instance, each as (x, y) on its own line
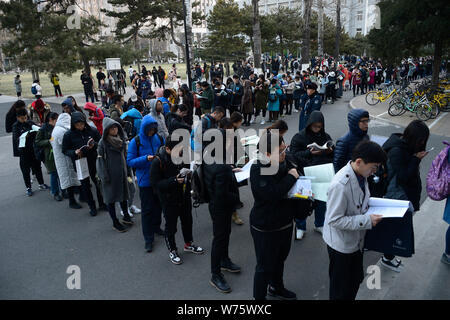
(132, 210)
(188, 247)
(41, 187)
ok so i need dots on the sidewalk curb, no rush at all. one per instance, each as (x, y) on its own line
(376, 117)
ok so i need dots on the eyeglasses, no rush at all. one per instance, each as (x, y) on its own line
(365, 121)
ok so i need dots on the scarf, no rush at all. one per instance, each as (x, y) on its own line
(115, 141)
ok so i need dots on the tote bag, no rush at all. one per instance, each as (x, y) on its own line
(81, 166)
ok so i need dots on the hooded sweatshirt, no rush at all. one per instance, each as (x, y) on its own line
(346, 144)
(135, 115)
(98, 116)
(162, 128)
(137, 157)
(404, 166)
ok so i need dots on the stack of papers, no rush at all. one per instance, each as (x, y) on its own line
(323, 175)
(245, 173)
(23, 137)
(301, 188)
(250, 140)
(389, 208)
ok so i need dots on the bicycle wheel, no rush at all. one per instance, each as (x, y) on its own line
(372, 98)
(435, 109)
(423, 112)
(396, 108)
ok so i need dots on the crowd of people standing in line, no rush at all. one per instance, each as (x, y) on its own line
(126, 146)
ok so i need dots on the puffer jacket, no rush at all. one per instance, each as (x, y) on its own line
(159, 117)
(346, 144)
(42, 140)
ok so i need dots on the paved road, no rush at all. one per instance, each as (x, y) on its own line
(40, 238)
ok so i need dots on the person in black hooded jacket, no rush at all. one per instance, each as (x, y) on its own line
(405, 152)
(175, 119)
(174, 192)
(74, 145)
(303, 156)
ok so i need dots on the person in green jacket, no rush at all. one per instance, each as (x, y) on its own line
(42, 141)
(207, 100)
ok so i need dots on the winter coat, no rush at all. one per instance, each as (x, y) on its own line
(220, 97)
(237, 93)
(112, 167)
(372, 77)
(346, 144)
(98, 116)
(64, 164)
(346, 220)
(163, 174)
(18, 85)
(174, 122)
(275, 105)
(115, 113)
(42, 140)
(299, 152)
(207, 104)
(323, 85)
(17, 130)
(166, 105)
(404, 166)
(162, 128)
(262, 97)
(135, 116)
(308, 105)
(137, 155)
(271, 209)
(10, 119)
(356, 77)
(247, 99)
(34, 116)
(75, 139)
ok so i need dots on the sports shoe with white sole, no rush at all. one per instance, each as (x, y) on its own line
(129, 212)
(263, 121)
(174, 258)
(299, 234)
(394, 264)
(190, 247)
(134, 210)
(318, 229)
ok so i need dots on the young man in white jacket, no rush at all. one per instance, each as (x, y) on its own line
(346, 220)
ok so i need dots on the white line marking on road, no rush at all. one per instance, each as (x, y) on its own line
(438, 119)
(382, 114)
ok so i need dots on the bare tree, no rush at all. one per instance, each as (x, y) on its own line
(320, 28)
(306, 48)
(256, 35)
(338, 29)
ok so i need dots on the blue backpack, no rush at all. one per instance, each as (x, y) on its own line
(197, 145)
(34, 90)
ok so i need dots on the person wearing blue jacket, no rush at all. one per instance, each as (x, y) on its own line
(141, 152)
(135, 115)
(165, 101)
(358, 123)
(309, 102)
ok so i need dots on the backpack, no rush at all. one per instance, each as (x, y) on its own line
(138, 141)
(34, 90)
(198, 186)
(438, 178)
(195, 144)
(273, 95)
(129, 127)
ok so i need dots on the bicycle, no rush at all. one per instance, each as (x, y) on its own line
(374, 97)
(420, 107)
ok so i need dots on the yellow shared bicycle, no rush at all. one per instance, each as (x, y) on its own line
(374, 97)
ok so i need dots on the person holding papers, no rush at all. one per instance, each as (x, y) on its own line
(304, 155)
(405, 152)
(346, 222)
(271, 217)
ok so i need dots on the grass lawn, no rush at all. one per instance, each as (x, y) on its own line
(69, 84)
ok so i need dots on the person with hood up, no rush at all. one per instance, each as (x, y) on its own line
(38, 111)
(134, 117)
(303, 156)
(405, 153)
(95, 115)
(141, 152)
(175, 119)
(247, 103)
(11, 116)
(156, 111)
(309, 102)
(358, 123)
(64, 165)
(113, 171)
(42, 141)
(81, 142)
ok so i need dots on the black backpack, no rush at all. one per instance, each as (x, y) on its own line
(129, 127)
(199, 190)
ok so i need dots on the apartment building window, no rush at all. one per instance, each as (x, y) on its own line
(360, 1)
(359, 16)
(358, 31)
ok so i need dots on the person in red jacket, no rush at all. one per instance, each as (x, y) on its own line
(95, 115)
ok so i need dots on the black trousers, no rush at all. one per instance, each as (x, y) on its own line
(27, 164)
(112, 210)
(171, 214)
(58, 90)
(221, 238)
(346, 274)
(289, 103)
(151, 213)
(272, 249)
(87, 193)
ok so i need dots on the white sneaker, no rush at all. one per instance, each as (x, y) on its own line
(135, 210)
(263, 121)
(295, 110)
(174, 257)
(121, 213)
(318, 229)
(299, 234)
(253, 120)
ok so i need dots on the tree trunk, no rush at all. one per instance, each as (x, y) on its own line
(437, 59)
(256, 35)
(137, 49)
(320, 29)
(338, 30)
(306, 31)
(189, 30)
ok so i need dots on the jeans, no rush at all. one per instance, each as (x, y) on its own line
(151, 213)
(319, 213)
(54, 183)
(89, 95)
(447, 241)
(272, 249)
(221, 238)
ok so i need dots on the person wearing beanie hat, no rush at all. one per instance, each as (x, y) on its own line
(67, 106)
(358, 123)
(309, 102)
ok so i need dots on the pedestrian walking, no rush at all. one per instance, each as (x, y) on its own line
(18, 86)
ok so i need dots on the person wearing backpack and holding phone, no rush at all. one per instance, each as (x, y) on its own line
(141, 152)
(43, 142)
(172, 183)
(26, 153)
(405, 153)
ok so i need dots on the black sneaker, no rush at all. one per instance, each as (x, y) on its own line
(218, 281)
(29, 192)
(127, 220)
(149, 247)
(230, 267)
(75, 205)
(191, 247)
(93, 212)
(119, 227)
(394, 264)
(282, 294)
(57, 197)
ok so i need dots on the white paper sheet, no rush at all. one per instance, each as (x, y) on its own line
(323, 175)
(389, 208)
(378, 139)
(250, 140)
(245, 173)
(388, 212)
(302, 187)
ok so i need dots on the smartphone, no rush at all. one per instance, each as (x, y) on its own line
(432, 148)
